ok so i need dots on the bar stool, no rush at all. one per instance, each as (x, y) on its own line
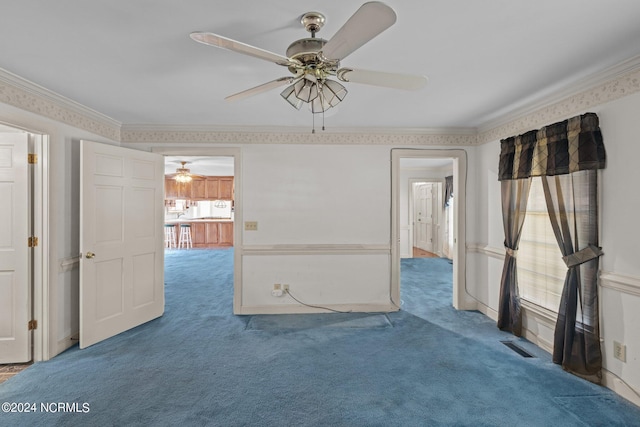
(185, 236)
(169, 235)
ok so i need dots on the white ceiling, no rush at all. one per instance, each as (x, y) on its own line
(200, 165)
(134, 61)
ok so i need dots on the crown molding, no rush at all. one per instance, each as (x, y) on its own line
(554, 104)
(611, 84)
(21, 93)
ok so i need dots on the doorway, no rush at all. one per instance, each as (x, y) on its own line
(400, 213)
(426, 213)
(206, 157)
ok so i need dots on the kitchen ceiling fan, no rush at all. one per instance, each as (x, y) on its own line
(312, 61)
(183, 175)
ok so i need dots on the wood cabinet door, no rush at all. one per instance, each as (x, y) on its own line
(212, 233)
(198, 234)
(198, 189)
(184, 190)
(213, 188)
(170, 188)
(226, 188)
(226, 233)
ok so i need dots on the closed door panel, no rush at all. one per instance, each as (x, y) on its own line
(15, 338)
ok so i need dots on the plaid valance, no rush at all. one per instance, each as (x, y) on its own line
(561, 148)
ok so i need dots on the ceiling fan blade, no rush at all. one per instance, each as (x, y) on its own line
(378, 78)
(236, 46)
(261, 88)
(370, 20)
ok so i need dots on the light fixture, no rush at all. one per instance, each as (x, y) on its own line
(320, 93)
(183, 175)
(315, 89)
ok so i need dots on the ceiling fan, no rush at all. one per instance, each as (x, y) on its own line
(183, 175)
(312, 61)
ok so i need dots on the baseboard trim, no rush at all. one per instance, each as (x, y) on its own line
(301, 309)
(621, 388)
(487, 311)
(537, 340)
(66, 343)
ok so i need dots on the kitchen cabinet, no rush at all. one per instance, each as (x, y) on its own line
(219, 188)
(176, 190)
(198, 234)
(225, 233)
(201, 188)
(225, 188)
(209, 234)
(198, 189)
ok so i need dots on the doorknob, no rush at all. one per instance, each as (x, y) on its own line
(90, 255)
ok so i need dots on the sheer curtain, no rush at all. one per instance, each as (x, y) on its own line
(573, 210)
(566, 155)
(448, 189)
(515, 194)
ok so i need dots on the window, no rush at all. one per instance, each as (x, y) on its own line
(541, 270)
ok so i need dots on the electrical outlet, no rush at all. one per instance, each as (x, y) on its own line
(285, 288)
(277, 290)
(620, 351)
(251, 225)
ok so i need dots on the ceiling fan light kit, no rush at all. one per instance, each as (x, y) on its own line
(183, 175)
(313, 60)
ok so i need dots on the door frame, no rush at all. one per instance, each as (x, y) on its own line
(236, 153)
(461, 299)
(40, 209)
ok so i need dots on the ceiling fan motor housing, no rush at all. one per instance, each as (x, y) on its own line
(306, 50)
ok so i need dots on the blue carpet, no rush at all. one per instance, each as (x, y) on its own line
(280, 322)
(200, 365)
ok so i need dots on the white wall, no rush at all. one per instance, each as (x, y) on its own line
(620, 279)
(323, 216)
(317, 194)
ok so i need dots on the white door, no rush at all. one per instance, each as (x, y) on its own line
(121, 240)
(15, 281)
(424, 216)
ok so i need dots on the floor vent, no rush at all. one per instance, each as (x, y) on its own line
(522, 352)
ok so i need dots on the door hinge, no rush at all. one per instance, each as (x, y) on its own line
(32, 159)
(33, 324)
(32, 242)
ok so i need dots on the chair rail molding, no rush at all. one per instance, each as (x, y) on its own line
(620, 282)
